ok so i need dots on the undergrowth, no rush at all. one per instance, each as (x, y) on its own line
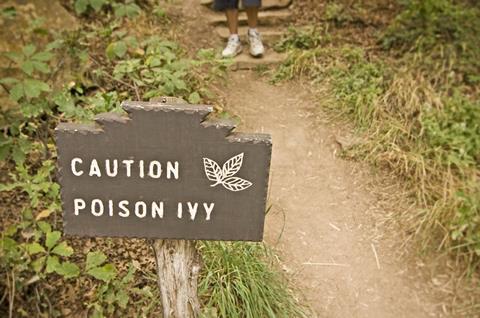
(415, 99)
(238, 282)
(115, 55)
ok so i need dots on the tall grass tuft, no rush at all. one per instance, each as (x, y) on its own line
(240, 281)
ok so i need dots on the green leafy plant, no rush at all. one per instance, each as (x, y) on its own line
(104, 65)
(156, 67)
(48, 255)
(128, 9)
(30, 60)
(115, 293)
(95, 267)
(38, 186)
(438, 30)
(300, 38)
(81, 6)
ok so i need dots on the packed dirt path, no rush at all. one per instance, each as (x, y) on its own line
(324, 222)
(320, 220)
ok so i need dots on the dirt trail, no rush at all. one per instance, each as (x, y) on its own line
(320, 210)
(321, 220)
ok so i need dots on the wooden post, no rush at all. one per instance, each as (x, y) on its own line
(178, 267)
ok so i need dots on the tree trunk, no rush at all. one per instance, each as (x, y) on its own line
(178, 267)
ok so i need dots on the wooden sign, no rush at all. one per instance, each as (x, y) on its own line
(163, 171)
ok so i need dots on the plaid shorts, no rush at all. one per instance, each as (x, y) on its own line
(222, 5)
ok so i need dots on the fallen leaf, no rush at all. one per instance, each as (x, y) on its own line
(43, 214)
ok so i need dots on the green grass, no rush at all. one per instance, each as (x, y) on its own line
(442, 33)
(240, 280)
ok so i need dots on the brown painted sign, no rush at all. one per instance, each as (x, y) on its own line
(163, 171)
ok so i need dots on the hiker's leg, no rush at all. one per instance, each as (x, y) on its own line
(234, 46)
(251, 7)
(256, 46)
(232, 20)
(231, 11)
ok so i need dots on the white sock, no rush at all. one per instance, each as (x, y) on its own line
(252, 30)
(234, 36)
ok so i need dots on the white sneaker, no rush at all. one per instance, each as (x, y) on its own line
(233, 48)
(255, 41)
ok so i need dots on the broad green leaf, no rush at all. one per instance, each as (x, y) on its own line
(122, 298)
(37, 264)
(80, 6)
(194, 98)
(34, 248)
(52, 239)
(179, 84)
(110, 50)
(52, 264)
(18, 155)
(27, 67)
(68, 270)
(5, 146)
(116, 49)
(97, 4)
(9, 186)
(14, 56)
(41, 67)
(105, 273)
(54, 45)
(129, 10)
(24, 144)
(129, 276)
(29, 49)
(63, 249)
(120, 49)
(27, 214)
(44, 226)
(42, 56)
(94, 259)
(31, 110)
(5, 150)
(8, 244)
(11, 230)
(17, 92)
(65, 104)
(33, 88)
(8, 80)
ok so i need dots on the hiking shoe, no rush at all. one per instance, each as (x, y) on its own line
(233, 48)
(256, 45)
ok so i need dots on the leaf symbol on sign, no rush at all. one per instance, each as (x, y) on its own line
(225, 174)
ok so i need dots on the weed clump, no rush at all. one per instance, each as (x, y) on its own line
(239, 281)
(441, 33)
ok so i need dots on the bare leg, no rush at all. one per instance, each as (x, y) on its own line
(232, 20)
(252, 15)
(234, 46)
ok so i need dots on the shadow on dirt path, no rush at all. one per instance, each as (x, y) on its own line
(320, 220)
